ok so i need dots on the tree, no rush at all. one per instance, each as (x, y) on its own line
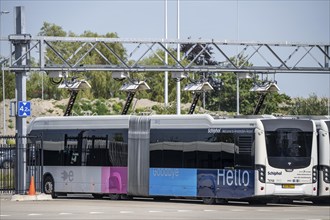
(309, 106)
(10, 85)
(49, 29)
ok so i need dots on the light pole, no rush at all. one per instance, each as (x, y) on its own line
(178, 84)
(3, 99)
(166, 57)
(237, 63)
(3, 79)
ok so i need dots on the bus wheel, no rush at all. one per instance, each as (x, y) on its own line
(162, 198)
(258, 202)
(114, 196)
(285, 200)
(221, 201)
(49, 186)
(97, 196)
(125, 197)
(208, 200)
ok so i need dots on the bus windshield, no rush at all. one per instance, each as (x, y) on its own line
(289, 147)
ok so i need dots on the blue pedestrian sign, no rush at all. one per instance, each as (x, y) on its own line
(24, 109)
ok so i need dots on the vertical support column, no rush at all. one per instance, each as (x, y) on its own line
(327, 65)
(326, 57)
(237, 63)
(20, 49)
(237, 94)
(166, 59)
(178, 84)
(42, 51)
(4, 101)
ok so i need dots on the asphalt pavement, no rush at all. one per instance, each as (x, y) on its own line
(79, 207)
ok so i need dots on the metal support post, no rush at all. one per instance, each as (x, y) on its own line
(20, 49)
(4, 99)
(166, 60)
(178, 83)
(327, 65)
(237, 94)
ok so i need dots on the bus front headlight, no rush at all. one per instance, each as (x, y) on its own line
(326, 173)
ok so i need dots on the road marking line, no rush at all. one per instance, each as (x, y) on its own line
(125, 212)
(92, 213)
(4, 215)
(183, 210)
(209, 210)
(65, 213)
(237, 210)
(263, 210)
(34, 214)
(154, 211)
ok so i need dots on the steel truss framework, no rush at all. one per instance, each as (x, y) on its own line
(265, 57)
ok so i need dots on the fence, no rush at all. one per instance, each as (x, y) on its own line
(31, 156)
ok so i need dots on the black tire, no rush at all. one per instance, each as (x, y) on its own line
(221, 201)
(49, 186)
(258, 202)
(125, 197)
(162, 198)
(97, 196)
(115, 196)
(321, 202)
(209, 200)
(285, 200)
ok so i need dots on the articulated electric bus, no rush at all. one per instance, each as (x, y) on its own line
(190, 156)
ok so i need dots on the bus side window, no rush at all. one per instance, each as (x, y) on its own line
(227, 150)
(243, 150)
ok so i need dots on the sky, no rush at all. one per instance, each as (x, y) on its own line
(302, 21)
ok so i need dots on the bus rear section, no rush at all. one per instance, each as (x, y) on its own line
(324, 161)
(83, 154)
(286, 159)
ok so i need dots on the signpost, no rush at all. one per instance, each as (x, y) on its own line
(24, 109)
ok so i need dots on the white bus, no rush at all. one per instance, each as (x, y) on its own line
(195, 156)
(324, 161)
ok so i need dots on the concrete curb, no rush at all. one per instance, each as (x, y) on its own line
(38, 197)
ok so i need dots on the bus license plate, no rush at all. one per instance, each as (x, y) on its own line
(288, 186)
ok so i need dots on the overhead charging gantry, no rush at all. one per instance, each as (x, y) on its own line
(74, 86)
(198, 88)
(131, 87)
(267, 57)
(263, 89)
